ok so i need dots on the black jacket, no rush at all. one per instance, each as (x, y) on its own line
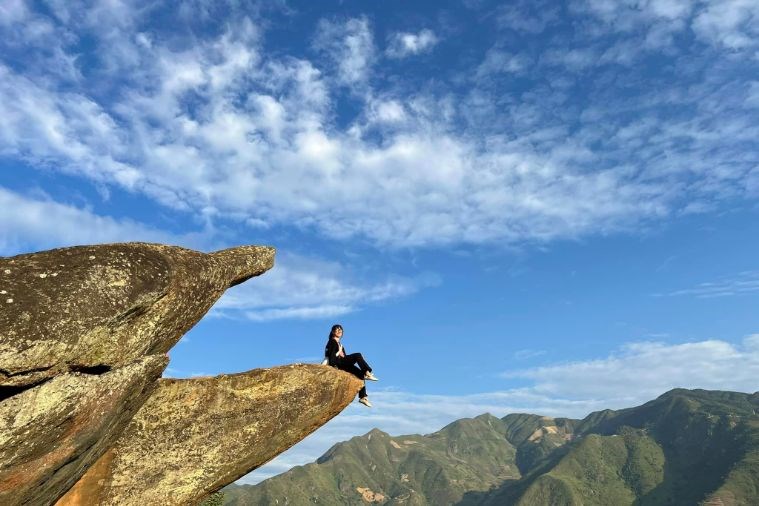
(331, 351)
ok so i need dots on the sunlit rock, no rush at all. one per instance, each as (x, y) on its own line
(51, 433)
(194, 436)
(107, 305)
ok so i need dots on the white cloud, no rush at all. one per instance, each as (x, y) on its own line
(641, 371)
(740, 284)
(44, 127)
(498, 61)
(302, 287)
(349, 46)
(22, 26)
(387, 111)
(298, 287)
(527, 354)
(405, 44)
(276, 161)
(731, 23)
(39, 222)
(752, 96)
(727, 23)
(530, 17)
(575, 59)
(300, 313)
(221, 123)
(637, 373)
(13, 11)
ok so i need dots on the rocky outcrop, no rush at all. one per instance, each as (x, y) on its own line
(50, 434)
(83, 337)
(194, 436)
(107, 305)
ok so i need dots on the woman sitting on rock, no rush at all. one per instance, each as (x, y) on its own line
(335, 356)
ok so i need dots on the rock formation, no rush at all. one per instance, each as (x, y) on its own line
(83, 337)
(194, 436)
(50, 434)
(107, 305)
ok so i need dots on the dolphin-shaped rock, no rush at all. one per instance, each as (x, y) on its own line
(103, 306)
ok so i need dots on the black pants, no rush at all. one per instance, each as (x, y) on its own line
(348, 363)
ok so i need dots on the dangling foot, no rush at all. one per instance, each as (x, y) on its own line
(365, 402)
(370, 376)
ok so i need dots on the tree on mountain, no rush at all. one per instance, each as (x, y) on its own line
(215, 499)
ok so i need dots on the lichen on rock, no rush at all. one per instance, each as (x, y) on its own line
(51, 433)
(84, 415)
(107, 305)
(84, 333)
(194, 436)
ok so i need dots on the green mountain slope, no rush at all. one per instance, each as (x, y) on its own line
(685, 447)
(469, 454)
(601, 470)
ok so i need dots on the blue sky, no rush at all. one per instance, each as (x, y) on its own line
(510, 206)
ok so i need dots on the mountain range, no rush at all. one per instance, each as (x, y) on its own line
(686, 447)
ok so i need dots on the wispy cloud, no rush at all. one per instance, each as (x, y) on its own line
(405, 44)
(731, 23)
(299, 287)
(37, 221)
(527, 354)
(349, 46)
(636, 373)
(727, 23)
(499, 61)
(642, 370)
(740, 284)
(526, 16)
(217, 122)
(306, 287)
(299, 313)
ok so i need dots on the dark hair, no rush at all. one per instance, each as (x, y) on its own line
(334, 330)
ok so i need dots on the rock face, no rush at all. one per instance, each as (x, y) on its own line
(50, 434)
(84, 333)
(107, 305)
(194, 436)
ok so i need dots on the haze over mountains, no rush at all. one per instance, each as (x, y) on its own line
(685, 447)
